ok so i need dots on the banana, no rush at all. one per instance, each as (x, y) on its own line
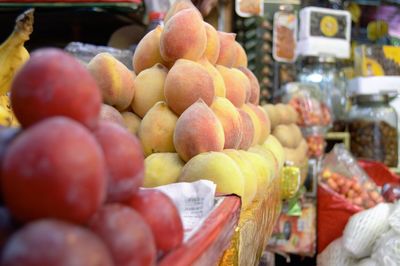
(12, 51)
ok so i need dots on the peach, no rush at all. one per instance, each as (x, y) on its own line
(124, 160)
(198, 130)
(241, 56)
(162, 169)
(186, 82)
(184, 36)
(248, 130)
(178, 6)
(249, 175)
(149, 89)
(132, 122)
(217, 167)
(237, 85)
(114, 79)
(256, 123)
(53, 83)
(270, 160)
(218, 81)
(109, 113)
(273, 115)
(261, 121)
(254, 85)
(54, 169)
(229, 117)
(157, 129)
(227, 51)
(147, 52)
(213, 44)
(272, 144)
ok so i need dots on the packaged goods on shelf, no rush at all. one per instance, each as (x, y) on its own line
(376, 60)
(324, 31)
(296, 234)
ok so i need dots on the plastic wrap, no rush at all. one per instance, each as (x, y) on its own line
(366, 262)
(85, 52)
(315, 137)
(387, 249)
(342, 175)
(394, 219)
(255, 227)
(364, 228)
(308, 100)
(335, 255)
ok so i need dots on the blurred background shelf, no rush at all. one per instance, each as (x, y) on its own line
(58, 23)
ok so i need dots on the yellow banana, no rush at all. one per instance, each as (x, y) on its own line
(12, 51)
(7, 117)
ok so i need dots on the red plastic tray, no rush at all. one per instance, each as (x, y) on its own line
(208, 244)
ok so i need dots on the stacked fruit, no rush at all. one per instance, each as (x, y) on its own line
(73, 181)
(195, 106)
(283, 125)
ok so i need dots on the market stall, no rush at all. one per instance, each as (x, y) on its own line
(199, 133)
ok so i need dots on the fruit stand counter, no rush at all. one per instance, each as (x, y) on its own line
(207, 245)
(255, 227)
(229, 236)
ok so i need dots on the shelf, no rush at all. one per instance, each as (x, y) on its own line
(123, 6)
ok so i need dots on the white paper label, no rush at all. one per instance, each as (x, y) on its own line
(194, 202)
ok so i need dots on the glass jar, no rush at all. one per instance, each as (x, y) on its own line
(324, 71)
(373, 128)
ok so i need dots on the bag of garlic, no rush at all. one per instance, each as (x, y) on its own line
(334, 255)
(394, 219)
(386, 250)
(364, 228)
(366, 262)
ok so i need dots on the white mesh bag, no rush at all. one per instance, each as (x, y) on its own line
(335, 255)
(387, 249)
(364, 228)
(367, 262)
(394, 219)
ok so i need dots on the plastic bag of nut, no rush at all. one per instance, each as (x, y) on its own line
(308, 100)
(341, 175)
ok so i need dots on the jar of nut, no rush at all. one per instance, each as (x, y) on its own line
(373, 128)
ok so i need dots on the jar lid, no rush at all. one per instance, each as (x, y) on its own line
(319, 59)
(371, 98)
(374, 85)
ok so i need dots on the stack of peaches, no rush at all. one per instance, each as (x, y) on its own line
(193, 103)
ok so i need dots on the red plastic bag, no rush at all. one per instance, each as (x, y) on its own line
(333, 213)
(379, 172)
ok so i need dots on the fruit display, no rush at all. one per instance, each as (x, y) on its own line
(285, 130)
(89, 142)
